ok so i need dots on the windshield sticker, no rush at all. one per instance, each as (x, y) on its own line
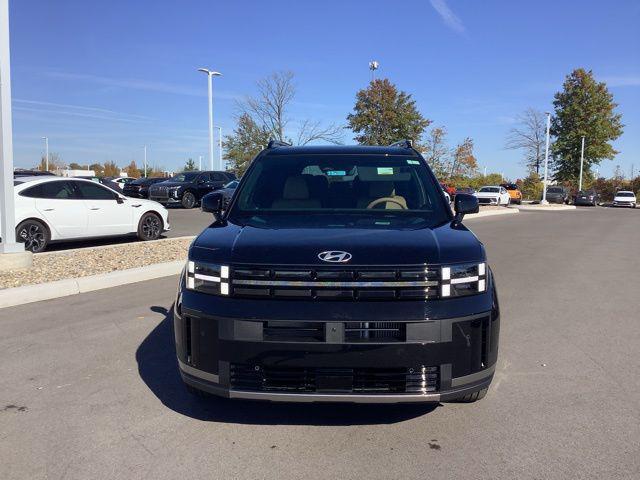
(413, 162)
(336, 173)
(385, 170)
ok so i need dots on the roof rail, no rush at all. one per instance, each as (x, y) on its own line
(277, 143)
(402, 143)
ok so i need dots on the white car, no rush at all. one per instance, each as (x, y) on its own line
(624, 198)
(493, 195)
(121, 181)
(52, 208)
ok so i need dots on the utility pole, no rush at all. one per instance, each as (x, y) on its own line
(46, 153)
(200, 162)
(581, 164)
(485, 171)
(12, 254)
(546, 162)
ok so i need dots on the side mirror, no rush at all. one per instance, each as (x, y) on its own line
(119, 199)
(212, 203)
(463, 204)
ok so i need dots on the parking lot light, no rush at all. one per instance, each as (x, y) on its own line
(210, 75)
(546, 163)
(581, 164)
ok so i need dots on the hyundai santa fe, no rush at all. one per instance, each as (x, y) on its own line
(338, 274)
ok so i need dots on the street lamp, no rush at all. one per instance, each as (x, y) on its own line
(373, 66)
(546, 162)
(210, 75)
(581, 163)
(46, 153)
(145, 160)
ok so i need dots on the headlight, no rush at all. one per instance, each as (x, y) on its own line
(207, 278)
(461, 280)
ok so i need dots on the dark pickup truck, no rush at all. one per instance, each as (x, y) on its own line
(188, 188)
(338, 274)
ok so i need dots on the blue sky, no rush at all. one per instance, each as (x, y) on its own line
(101, 79)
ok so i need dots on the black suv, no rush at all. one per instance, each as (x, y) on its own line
(139, 188)
(187, 188)
(338, 274)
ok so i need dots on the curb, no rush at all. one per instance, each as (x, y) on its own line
(112, 245)
(539, 208)
(490, 213)
(11, 297)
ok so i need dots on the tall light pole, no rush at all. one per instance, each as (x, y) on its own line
(373, 66)
(200, 162)
(210, 75)
(46, 153)
(220, 147)
(581, 164)
(145, 160)
(17, 257)
(546, 162)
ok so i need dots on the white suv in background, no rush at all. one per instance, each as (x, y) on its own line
(52, 208)
(624, 198)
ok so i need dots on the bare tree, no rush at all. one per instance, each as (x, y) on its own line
(530, 137)
(269, 110)
(311, 130)
(436, 151)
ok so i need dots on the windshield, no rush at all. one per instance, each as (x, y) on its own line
(184, 177)
(555, 190)
(490, 189)
(369, 189)
(624, 194)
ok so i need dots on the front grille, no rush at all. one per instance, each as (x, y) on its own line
(324, 283)
(487, 200)
(259, 378)
(374, 331)
(278, 331)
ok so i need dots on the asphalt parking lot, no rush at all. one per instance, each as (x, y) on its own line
(89, 386)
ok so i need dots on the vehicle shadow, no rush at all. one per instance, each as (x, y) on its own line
(158, 368)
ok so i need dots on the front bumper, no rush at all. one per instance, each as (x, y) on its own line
(622, 204)
(228, 352)
(488, 200)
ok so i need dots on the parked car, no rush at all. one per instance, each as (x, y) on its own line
(624, 198)
(120, 182)
(228, 190)
(23, 172)
(587, 197)
(139, 188)
(558, 194)
(188, 188)
(514, 192)
(309, 294)
(49, 209)
(493, 195)
(449, 189)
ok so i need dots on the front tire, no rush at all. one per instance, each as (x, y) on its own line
(34, 234)
(188, 200)
(149, 226)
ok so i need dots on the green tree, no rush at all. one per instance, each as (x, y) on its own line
(383, 115)
(532, 187)
(583, 108)
(244, 143)
(464, 162)
(189, 166)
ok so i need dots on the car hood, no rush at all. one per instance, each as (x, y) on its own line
(236, 244)
(169, 184)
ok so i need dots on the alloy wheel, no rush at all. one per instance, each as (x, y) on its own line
(33, 236)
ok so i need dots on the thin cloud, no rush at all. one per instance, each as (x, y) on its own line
(78, 107)
(623, 81)
(450, 19)
(72, 113)
(139, 84)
